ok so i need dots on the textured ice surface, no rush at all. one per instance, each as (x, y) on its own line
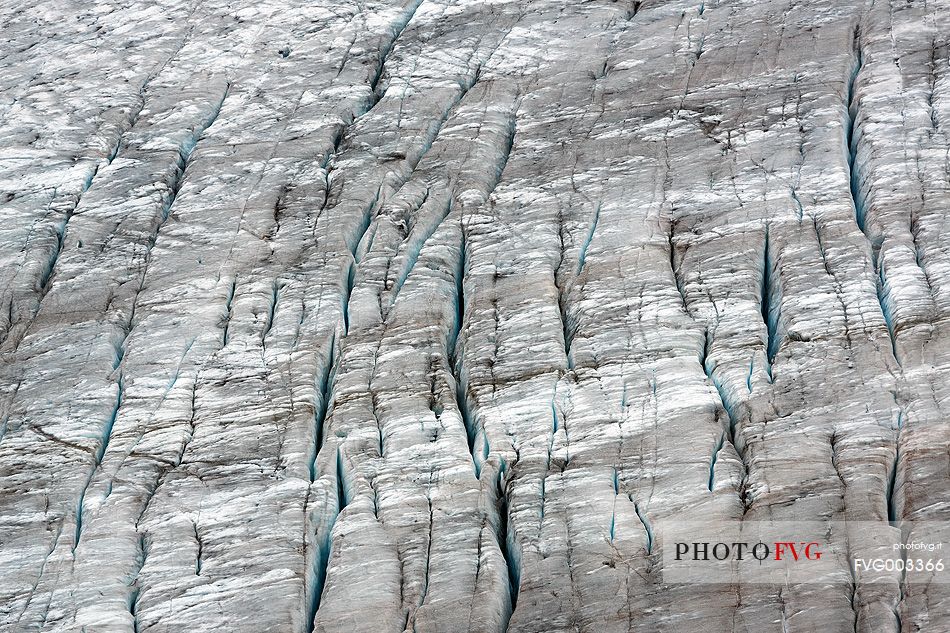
(424, 315)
